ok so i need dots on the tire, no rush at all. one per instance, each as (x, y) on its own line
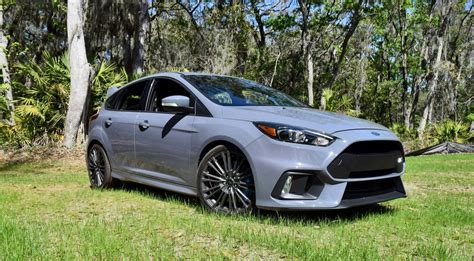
(225, 182)
(99, 169)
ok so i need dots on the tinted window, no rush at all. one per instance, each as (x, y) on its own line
(131, 97)
(164, 88)
(111, 101)
(229, 91)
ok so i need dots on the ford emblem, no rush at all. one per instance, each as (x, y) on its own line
(375, 133)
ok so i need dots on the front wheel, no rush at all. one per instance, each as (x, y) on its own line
(225, 181)
(100, 172)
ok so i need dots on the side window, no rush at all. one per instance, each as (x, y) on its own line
(112, 101)
(163, 88)
(131, 98)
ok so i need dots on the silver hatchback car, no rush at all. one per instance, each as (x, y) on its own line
(237, 145)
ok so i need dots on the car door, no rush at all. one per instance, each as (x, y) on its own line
(119, 123)
(163, 139)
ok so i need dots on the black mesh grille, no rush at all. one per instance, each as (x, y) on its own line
(355, 190)
(368, 159)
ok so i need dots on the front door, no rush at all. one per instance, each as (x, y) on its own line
(163, 139)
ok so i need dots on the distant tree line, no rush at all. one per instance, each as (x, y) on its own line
(405, 64)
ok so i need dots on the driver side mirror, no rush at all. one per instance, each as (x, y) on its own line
(176, 103)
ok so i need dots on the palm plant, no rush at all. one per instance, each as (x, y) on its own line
(451, 131)
(41, 92)
(105, 77)
(340, 103)
(42, 98)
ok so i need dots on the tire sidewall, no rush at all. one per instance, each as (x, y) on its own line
(108, 180)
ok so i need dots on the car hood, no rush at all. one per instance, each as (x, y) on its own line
(324, 121)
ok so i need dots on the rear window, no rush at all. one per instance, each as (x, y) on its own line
(111, 101)
(131, 98)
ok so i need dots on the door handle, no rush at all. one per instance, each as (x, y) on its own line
(108, 122)
(144, 125)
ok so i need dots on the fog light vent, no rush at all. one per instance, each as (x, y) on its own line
(297, 186)
(286, 188)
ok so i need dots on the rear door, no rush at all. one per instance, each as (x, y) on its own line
(163, 139)
(119, 124)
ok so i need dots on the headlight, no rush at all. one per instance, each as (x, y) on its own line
(294, 134)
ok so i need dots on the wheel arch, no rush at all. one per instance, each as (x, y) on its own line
(92, 143)
(233, 144)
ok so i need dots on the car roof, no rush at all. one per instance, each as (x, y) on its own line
(185, 74)
(114, 89)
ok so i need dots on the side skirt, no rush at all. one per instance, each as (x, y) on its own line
(179, 188)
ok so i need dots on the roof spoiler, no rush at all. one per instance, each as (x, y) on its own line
(111, 91)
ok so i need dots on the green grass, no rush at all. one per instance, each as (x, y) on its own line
(48, 211)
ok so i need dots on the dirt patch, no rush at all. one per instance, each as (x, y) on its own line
(412, 188)
(33, 154)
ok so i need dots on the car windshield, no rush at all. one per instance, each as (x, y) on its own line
(229, 91)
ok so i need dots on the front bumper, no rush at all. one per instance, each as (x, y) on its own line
(272, 160)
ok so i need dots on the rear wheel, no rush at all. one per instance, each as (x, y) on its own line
(100, 172)
(225, 181)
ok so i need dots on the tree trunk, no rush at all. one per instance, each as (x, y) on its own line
(309, 64)
(80, 70)
(356, 17)
(275, 69)
(404, 68)
(140, 39)
(261, 27)
(5, 70)
(445, 11)
(306, 47)
(362, 80)
(427, 111)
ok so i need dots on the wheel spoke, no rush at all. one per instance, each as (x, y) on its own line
(242, 200)
(223, 200)
(243, 186)
(94, 156)
(213, 176)
(211, 188)
(225, 160)
(216, 203)
(212, 181)
(238, 164)
(229, 161)
(212, 194)
(243, 195)
(243, 174)
(232, 196)
(216, 167)
(91, 165)
(99, 179)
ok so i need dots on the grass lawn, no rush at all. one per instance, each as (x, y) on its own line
(47, 210)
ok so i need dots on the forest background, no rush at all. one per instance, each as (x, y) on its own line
(405, 64)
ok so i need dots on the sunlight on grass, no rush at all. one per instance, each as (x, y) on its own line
(47, 210)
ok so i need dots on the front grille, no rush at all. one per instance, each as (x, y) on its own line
(361, 189)
(368, 159)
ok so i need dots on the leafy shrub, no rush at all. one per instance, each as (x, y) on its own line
(340, 103)
(41, 94)
(451, 131)
(106, 76)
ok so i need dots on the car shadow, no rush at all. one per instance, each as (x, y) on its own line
(312, 217)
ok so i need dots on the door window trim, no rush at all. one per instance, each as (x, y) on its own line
(122, 90)
(152, 87)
